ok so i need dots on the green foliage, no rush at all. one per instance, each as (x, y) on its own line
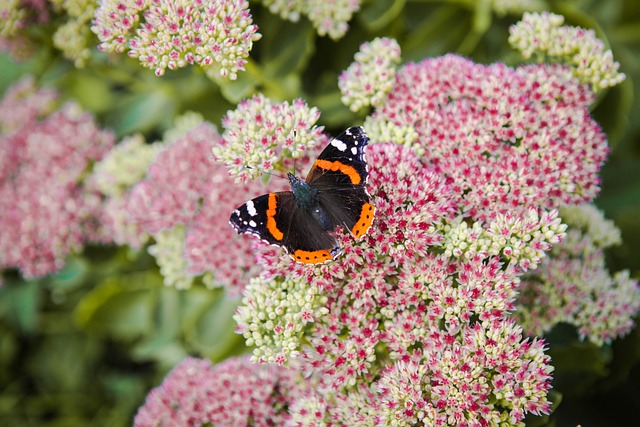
(84, 346)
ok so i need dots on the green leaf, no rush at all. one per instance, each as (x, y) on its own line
(20, 304)
(285, 46)
(236, 90)
(378, 14)
(209, 326)
(120, 306)
(142, 112)
(578, 366)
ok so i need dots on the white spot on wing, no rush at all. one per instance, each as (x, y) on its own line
(253, 224)
(251, 208)
(339, 144)
(354, 150)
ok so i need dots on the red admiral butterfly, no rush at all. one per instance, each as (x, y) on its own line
(303, 220)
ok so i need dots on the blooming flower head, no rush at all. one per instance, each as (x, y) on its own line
(574, 286)
(233, 393)
(74, 37)
(45, 209)
(328, 17)
(23, 103)
(507, 139)
(184, 204)
(544, 34)
(214, 34)
(368, 80)
(16, 16)
(262, 136)
(112, 177)
(517, 7)
(392, 298)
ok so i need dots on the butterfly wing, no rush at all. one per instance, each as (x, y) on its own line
(340, 174)
(276, 219)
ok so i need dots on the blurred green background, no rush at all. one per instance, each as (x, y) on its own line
(84, 346)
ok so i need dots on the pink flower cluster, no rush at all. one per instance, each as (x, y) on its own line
(233, 393)
(412, 324)
(328, 17)
(184, 202)
(369, 79)
(543, 34)
(392, 303)
(215, 34)
(16, 16)
(264, 136)
(573, 285)
(506, 139)
(45, 210)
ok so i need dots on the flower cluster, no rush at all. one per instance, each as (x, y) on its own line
(507, 139)
(16, 17)
(328, 17)
(521, 241)
(448, 382)
(517, 7)
(395, 307)
(574, 286)
(262, 136)
(74, 37)
(24, 103)
(112, 177)
(45, 209)
(233, 393)
(370, 78)
(543, 33)
(214, 34)
(183, 203)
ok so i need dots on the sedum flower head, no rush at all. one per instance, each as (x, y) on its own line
(331, 17)
(328, 17)
(507, 139)
(395, 326)
(369, 79)
(162, 34)
(544, 34)
(573, 285)
(286, 308)
(24, 103)
(16, 19)
(232, 393)
(46, 211)
(517, 7)
(112, 177)
(449, 381)
(261, 135)
(184, 203)
(124, 166)
(74, 37)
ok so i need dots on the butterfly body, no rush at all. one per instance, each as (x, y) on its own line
(303, 220)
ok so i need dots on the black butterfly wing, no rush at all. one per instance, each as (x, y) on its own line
(340, 174)
(276, 219)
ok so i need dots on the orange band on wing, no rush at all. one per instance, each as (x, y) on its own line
(364, 222)
(271, 218)
(350, 171)
(312, 257)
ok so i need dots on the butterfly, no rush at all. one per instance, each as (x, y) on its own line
(303, 221)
